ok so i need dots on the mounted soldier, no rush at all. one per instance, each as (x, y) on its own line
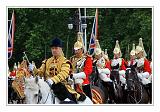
(143, 68)
(132, 60)
(103, 66)
(55, 71)
(82, 67)
(118, 63)
(143, 65)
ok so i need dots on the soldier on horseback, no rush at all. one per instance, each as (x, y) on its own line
(55, 71)
(118, 63)
(143, 67)
(132, 60)
(103, 66)
(82, 68)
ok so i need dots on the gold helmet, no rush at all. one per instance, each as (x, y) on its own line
(79, 43)
(117, 48)
(141, 45)
(138, 49)
(133, 52)
(15, 66)
(98, 51)
(97, 44)
(98, 48)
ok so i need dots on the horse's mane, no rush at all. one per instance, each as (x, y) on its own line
(31, 84)
(43, 85)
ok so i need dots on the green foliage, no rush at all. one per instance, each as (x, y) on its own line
(35, 27)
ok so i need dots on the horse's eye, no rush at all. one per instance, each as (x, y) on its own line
(36, 95)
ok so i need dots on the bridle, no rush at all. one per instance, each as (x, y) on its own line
(39, 95)
(134, 82)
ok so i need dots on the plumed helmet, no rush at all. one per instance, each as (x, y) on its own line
(117, 48)
(98, 51)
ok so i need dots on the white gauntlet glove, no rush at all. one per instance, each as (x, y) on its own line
(140, 75)
(31, 67)
(80, 75)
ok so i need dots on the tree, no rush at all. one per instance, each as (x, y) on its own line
(35, 27)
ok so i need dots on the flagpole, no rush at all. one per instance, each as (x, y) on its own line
(85, 31)
(97, 23)
(79, 19)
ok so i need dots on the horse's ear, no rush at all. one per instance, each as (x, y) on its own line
(24, 79)
(36, 79)
(135, 65)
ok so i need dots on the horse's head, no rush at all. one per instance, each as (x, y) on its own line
(36, 91)
(31, 90)
(115, 75)
(131, 77)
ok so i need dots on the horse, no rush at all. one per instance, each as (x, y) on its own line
(12, 95)
(37, 91)
(118, 91)
(136, 93)
(99, 92)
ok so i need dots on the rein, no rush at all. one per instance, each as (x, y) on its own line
(134, 98)
(40, 97)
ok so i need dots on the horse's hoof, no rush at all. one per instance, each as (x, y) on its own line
(67, 102)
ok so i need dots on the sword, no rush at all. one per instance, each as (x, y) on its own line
(26, 57)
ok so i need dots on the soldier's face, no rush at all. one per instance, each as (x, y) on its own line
(78, 52)
(132, 57)
(116, 56)
(139, 55)
(98, 56)
(56, 51)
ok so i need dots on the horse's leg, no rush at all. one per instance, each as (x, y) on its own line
(147, 94)
(110, 92)
(57, 101)
(86, 101)
(150, 90)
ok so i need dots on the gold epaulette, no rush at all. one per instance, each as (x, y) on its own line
(44, 61)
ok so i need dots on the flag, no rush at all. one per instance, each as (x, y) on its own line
(93, 38)
(11, 30)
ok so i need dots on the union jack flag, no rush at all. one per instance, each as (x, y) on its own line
(11, 30)
(92, 43)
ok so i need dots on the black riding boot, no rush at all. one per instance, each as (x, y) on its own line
(148, 88)
(124, 93)
(110, 92)
(87, 90)
(62, 93)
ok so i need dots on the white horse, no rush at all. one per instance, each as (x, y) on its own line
(37, 91)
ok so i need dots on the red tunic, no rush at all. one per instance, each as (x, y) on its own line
(123, 67)
(13, 73)
(147, 67)
(87, 69)
(108, 65)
